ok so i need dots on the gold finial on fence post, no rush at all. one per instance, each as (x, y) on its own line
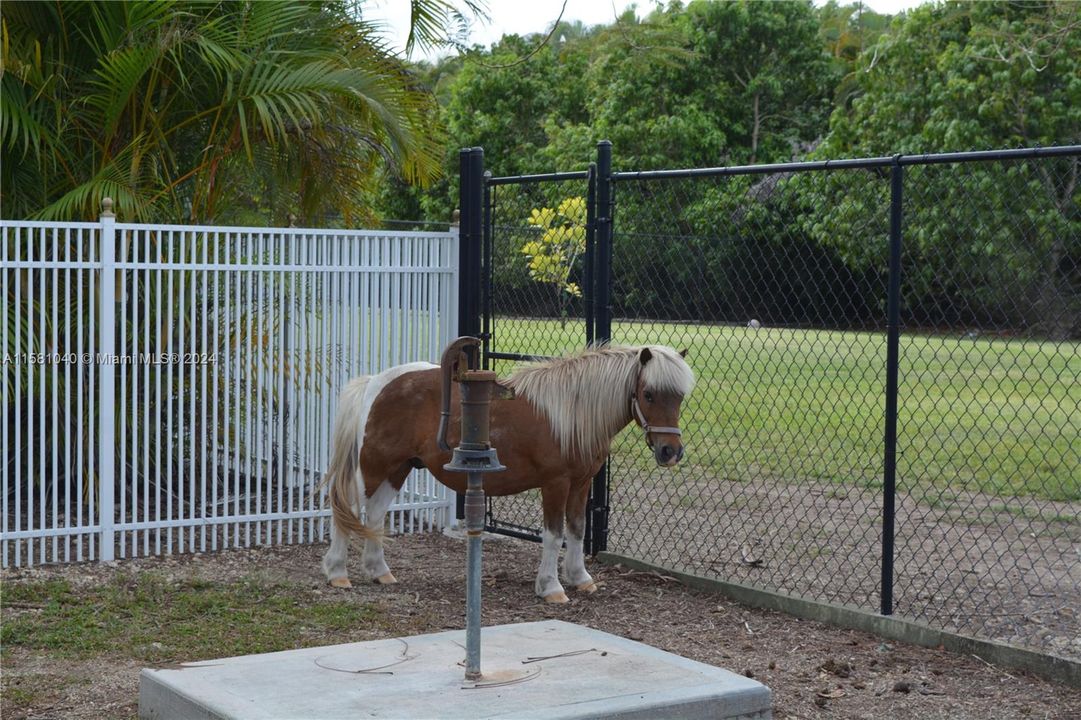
(107, 207)
(455, 218)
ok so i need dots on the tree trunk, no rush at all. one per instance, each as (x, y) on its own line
(1052, 306)
(1056, 310)
(754, 130)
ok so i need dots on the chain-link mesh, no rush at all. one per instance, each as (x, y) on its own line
(777, 285)
(989, 417)
(536, 299)
(780, 485)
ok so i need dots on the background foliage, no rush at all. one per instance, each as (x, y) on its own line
(241, 112)
(712, 83)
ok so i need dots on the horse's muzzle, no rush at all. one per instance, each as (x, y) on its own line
(667, 455)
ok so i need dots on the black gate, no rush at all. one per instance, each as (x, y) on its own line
(535, 269)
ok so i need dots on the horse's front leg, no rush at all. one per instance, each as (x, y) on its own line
(547, 586)
(574, 565)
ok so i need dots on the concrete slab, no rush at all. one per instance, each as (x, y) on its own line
(571, 672)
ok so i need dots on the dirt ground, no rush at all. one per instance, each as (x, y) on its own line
(814, 671)
(973, 564)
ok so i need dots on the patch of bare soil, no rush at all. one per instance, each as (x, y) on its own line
(814, 671)
(969, 563)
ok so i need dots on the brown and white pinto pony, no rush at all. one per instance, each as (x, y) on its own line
(554, 435)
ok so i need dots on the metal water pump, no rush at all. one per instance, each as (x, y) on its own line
(474, 456)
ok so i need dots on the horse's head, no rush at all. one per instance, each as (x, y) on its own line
(664, 379)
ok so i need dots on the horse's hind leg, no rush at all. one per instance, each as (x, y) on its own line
(574, 565)
(547, 586)
(334, 560)
(376, 506)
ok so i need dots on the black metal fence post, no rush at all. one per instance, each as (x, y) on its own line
(893, 337)
(589, 284)
(597, 537)
(603, 283)
(485, 266)
(471, 232)
(470, 240)
(589, 280)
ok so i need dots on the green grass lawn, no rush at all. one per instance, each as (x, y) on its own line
(989, 415)
(151, 619)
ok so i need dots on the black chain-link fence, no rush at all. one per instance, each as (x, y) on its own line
(777, 281)
(781, 484)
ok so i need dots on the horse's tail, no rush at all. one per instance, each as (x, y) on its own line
(345, 461)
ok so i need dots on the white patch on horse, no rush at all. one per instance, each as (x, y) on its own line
(548, 574)
(356, 403)
(574, 564)
(334, 559)
(375, 512)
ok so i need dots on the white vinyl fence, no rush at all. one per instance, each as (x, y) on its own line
(172, 389)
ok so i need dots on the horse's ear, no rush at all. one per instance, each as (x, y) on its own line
(683, 353)
(645, 356)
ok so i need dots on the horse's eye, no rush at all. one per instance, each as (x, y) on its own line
(649, 397)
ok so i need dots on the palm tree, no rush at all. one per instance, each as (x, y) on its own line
(172, 107)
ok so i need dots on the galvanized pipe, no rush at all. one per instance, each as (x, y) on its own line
(474, 524)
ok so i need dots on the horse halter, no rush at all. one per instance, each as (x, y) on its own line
(646, 427)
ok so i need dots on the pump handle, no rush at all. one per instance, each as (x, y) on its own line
(452, 363)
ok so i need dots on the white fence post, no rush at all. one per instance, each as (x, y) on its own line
(106, 379)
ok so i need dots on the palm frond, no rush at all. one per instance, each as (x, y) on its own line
(115, 181)
(430, 20)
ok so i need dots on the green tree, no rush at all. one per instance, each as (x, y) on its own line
(554, 251)
(178, 109)
(767, 74)
(501, 101)
(846, 30)
(706, 84)
(999, 241)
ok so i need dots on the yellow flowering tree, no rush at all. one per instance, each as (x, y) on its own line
(553, 253)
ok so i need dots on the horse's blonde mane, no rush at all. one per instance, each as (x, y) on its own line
(586, 396)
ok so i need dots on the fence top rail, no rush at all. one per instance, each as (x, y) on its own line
(855, 163)
(54, 224)
(292, 231)
(228, 229)
(542, 177)
(231, 266)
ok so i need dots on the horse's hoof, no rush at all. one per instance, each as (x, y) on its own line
(341, 582)
(589, 588)
(386, 579)
(557, 598)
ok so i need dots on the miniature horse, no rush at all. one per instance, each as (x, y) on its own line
(554, 435)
